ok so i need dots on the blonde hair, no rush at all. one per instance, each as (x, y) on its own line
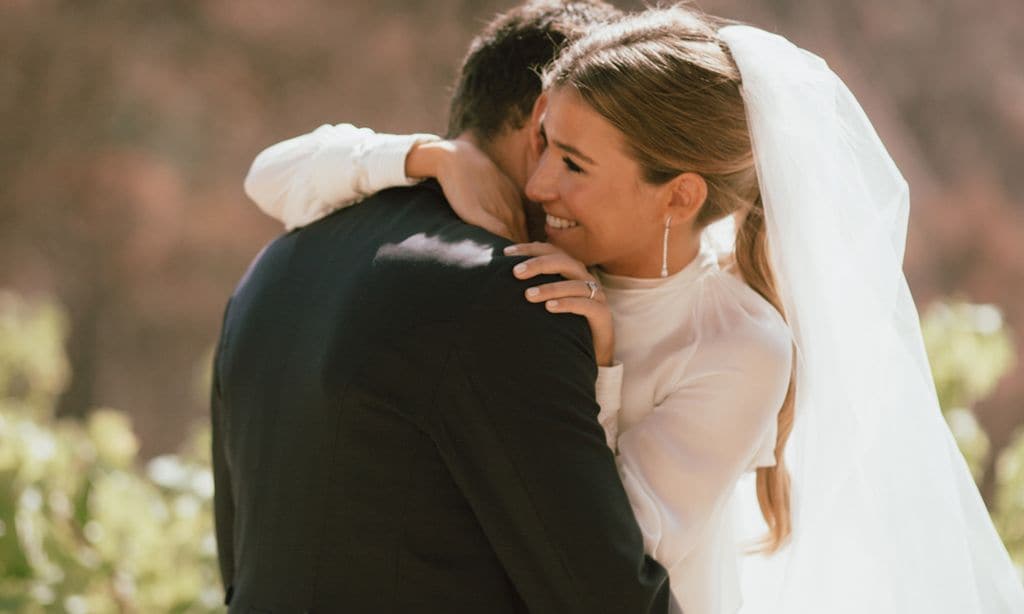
(667, 82)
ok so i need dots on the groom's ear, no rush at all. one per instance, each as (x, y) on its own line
(536, 142)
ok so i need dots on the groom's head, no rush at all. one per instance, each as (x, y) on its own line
(500, 76)
(499, 80)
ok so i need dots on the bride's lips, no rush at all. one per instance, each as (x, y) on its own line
(559, 223)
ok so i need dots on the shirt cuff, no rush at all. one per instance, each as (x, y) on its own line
(335, 171)
(609, 387)
(609, 398)
(384, 160)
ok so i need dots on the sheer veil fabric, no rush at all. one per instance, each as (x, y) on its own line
(886, 516)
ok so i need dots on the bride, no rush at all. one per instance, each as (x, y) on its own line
(802, 352)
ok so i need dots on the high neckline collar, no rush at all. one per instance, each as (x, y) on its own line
(706, 260)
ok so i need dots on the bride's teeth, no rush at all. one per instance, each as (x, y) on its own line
(558, 222)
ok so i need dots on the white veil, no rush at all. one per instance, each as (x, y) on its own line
(887, 519)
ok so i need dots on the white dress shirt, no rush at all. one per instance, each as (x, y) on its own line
(702, 366)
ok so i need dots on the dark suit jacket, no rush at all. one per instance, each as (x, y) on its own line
(395, 429)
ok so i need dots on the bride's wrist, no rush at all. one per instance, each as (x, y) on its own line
(425, 160)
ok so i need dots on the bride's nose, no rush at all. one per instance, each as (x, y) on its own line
(540, 187)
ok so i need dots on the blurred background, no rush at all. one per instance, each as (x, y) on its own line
(127, 128)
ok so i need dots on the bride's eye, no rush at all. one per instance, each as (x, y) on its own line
(543, 138)
(572, 166)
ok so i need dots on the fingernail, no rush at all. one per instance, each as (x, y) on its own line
(511, 249)
(552, 304)
(519, 268)
(532, 291)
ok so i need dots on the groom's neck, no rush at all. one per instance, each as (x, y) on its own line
(508, 151)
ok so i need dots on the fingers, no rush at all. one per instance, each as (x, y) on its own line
(537, 248)
(599, 318)
(564, 289)
(480, 193)
(594, 311)
(558, 263)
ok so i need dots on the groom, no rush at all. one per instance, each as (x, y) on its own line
(395, 429)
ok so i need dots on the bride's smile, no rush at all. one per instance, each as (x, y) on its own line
(555, 223)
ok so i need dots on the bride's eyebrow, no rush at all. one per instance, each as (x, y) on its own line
(566, 147)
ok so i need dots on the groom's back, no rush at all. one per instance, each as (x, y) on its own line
(362, 454)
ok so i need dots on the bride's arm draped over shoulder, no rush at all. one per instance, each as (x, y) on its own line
(681, 462)
(302, 179)
(305, 178)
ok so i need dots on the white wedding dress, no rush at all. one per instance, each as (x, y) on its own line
(703, 365)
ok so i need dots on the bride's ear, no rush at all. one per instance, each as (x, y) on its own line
(686, 196)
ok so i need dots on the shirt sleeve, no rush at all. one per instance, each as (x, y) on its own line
(303, 179)
(609, 399)
(680, 464)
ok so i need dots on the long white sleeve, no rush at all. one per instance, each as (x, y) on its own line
(681, 463)
(705, 368)
(609, 400)
(302, 179)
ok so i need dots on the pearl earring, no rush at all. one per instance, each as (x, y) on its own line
(664, 249)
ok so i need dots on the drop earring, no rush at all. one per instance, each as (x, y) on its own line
(664, 249)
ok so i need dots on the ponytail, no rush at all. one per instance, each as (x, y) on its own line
(773, 485)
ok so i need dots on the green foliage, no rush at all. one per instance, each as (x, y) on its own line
(1008, 512)
(84, 528)
(971, 350)
(33, 367)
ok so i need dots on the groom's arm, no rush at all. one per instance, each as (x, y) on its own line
(518, 429)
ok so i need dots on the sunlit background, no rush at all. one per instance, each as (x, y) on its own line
(126, 130)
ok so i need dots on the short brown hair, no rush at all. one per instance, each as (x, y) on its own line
(499, 79)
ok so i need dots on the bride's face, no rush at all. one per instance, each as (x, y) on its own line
(598, 207)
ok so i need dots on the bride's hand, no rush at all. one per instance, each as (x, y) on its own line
(580, 294)
(479, 193)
